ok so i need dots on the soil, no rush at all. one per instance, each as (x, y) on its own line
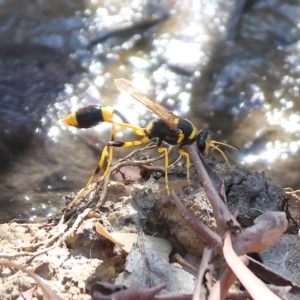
(74, 259)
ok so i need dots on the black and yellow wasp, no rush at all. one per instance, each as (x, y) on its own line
(167, 128)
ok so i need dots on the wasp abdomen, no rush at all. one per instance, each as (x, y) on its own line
(89, 116)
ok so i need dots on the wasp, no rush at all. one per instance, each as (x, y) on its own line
(167, 128)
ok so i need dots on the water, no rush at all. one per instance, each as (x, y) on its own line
(230, 69)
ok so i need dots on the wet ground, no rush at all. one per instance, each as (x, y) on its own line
(93, 242)
(230, 69)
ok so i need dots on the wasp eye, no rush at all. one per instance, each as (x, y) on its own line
(201, 142)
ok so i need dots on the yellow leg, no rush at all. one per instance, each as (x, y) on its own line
(99, 166)
(188, 163)
(110, 154)
(98, 169)
(110, 149)
(165, 150)
(144, 140)
(109, 161)
(136, 129)
(113, 132)
(113, 143)
(121, 144)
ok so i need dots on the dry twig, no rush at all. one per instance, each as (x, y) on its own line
(201, 291)
(47, 292)
(132, 293)
(224, 218)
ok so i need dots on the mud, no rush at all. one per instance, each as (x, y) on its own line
(84, 257)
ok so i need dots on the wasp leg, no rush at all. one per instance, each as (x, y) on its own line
(144, 140)
(165, 150)
(188, 163)
(121, 144)
(136, 129)
(113, 143)
(110, 153)
(98, 169)
(99, 166)
(110, 149)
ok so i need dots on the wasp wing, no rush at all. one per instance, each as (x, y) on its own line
(164, 114)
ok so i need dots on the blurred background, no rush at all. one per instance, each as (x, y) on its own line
(231, 67)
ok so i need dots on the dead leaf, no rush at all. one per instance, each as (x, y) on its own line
(126, 240)
(145, 267)
(256, 288)
(27, 295)
(102, 231)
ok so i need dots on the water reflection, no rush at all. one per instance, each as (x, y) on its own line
(241, 85)
(34, 208)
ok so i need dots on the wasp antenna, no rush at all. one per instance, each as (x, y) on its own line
(212, 145)
(227, 145)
